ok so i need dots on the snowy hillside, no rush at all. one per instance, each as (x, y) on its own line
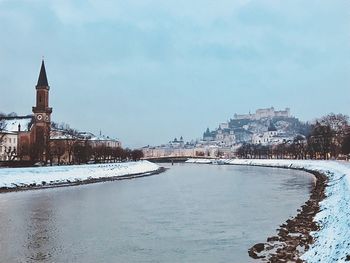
(15, 177)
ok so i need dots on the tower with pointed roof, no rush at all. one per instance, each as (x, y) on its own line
(42, 115)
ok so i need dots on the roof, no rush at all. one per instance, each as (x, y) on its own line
(11, 123)
(42, 80)
(8, 132)
(62, 137)
(102, 138)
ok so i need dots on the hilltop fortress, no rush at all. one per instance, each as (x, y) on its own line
(266, 127)
(263, 113)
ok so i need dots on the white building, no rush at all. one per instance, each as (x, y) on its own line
(225, 137)
(267, 137)
(104, 141)
(8, 145)
(13, 126)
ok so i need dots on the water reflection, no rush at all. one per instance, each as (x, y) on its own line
(297, 182)
(41, 232)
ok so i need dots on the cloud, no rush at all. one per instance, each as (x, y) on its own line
(213, 58)
(201, 11)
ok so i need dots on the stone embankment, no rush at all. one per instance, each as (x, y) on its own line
(294, 236)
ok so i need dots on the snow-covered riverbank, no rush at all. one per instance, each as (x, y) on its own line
(332, 241)
(13, 178)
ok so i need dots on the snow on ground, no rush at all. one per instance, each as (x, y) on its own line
(333, 240)
(13, 177)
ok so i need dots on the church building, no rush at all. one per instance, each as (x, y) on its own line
(34, 140)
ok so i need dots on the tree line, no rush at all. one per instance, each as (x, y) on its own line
(68, 151)
(327, 138)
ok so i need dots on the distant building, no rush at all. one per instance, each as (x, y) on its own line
(266, 137)
(264, 113)
(101, 140)
(177, 143)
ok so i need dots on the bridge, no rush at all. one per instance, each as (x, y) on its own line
(173, 159)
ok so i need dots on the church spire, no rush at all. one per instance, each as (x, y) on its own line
(42, 80)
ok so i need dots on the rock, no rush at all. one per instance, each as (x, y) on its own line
(252, 254)
(254, 250)
(271, 239)
(259, 247)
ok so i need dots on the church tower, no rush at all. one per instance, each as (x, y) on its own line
(42, 116)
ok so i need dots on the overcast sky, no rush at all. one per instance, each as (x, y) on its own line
(148, 71)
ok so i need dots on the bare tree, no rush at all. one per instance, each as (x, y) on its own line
(136, 155)
(82, 152)
(71, 139)
(2, 129)
(338, 124)
(24, 151)
(117, 154)
(320, 141)
(57, 150)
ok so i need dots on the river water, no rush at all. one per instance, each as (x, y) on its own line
(190, 213)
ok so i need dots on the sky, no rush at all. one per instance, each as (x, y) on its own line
(146, 71)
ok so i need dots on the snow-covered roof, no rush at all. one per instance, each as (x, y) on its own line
(86, 135)
(8, 132)
(102, 138)
(11, 123)
(61, 137)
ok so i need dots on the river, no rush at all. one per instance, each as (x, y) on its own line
(190, 213)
